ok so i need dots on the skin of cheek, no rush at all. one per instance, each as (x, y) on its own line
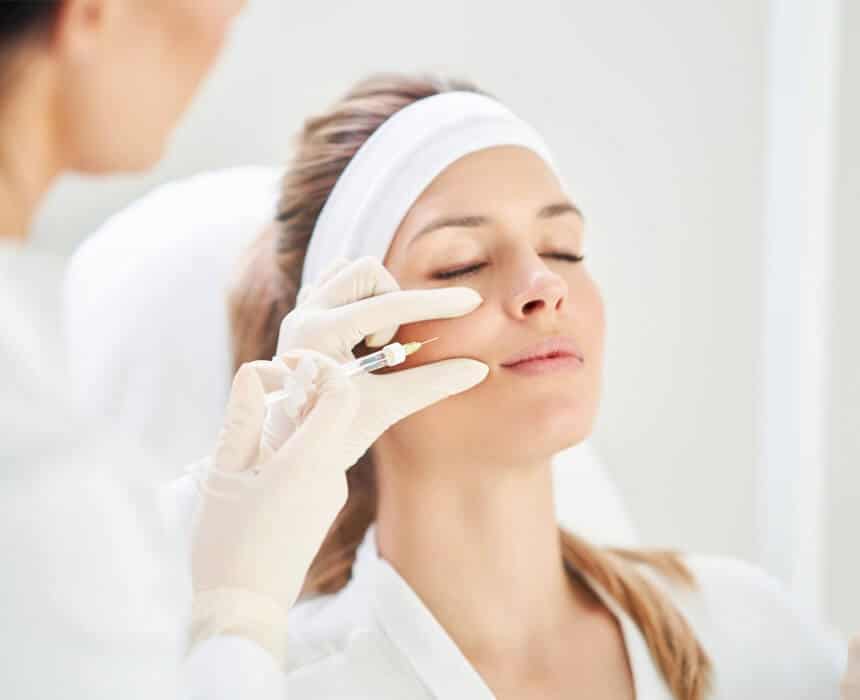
(117, 111)
(448, 427)
(185, 40)
(457, 337)
(192, 45)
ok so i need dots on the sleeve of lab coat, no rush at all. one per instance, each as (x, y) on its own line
(95, 589)
(94, 597)
(227, 668)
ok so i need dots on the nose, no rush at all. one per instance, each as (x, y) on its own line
(541, 290)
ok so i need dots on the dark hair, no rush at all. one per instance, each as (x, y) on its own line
(19, 18)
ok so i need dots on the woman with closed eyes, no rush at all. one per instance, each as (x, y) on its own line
(445, 574)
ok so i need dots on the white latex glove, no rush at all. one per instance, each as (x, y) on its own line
(357, 300)
(264, 513)
(254, 544)
(360, 300)
(851, 680)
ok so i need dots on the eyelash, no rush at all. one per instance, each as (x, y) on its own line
(471, 269)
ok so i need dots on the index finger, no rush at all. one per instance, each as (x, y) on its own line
(370, 316)
(360, 279)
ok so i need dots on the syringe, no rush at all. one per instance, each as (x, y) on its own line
(390, 356)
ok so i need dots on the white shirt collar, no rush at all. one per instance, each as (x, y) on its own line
(412, 628)
(433, 654)
(648, 682)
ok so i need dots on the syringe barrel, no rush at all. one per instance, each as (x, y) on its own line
(368, 363)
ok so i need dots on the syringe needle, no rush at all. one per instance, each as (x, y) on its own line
(409, 348)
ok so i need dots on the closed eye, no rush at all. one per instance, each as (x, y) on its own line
(473, 269)
(459, 272)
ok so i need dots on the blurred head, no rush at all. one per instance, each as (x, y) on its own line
(113, 76)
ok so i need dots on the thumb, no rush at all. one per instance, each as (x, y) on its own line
(389, 398)
(239, 438)
(326, 424)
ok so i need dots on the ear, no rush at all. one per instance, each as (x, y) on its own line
(82, 26)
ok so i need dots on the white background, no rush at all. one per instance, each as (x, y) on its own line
(658, 113)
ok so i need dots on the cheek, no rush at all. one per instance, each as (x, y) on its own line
(585, 313)
(197, 36)
(212, 17)
(458, 337)
(594, 320)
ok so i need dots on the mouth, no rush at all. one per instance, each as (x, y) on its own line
(550, 355)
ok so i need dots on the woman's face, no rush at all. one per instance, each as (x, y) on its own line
(129, 71)
(498, 221)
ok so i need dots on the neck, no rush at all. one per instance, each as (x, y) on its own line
(29, 155)
(491, 537)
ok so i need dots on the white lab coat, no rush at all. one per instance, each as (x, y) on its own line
(94, 592)
(375, 639)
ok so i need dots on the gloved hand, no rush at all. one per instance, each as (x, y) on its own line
(360, 300)
(357, 300)
(264, 511)
(257, 535)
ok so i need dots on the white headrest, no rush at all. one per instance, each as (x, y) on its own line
(146, 311)
(148, 331)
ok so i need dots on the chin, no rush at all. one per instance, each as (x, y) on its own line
(550, 426)
(565, 423)
(145, 158)
(561, 437)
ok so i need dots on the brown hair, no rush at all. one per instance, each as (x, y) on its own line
(266, 292)
(19, 19)
(21, 23)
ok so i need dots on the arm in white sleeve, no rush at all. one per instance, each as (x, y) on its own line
(94, 599)
(94, 592)
(229, 668)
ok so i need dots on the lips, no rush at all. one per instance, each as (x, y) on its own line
(551, 348)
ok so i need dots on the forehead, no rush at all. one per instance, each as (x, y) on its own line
(489, 177)
(499, 172)
(503, 182)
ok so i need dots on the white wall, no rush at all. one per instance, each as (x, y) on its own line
(844, 487)
(656, 111)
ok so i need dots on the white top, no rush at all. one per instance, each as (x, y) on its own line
(94, 594)
(376, 639)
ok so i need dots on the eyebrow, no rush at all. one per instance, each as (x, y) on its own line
(548, 212)
(553, 210)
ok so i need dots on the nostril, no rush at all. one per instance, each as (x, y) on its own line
(532, 306)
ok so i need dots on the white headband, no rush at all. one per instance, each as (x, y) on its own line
(398, 162)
